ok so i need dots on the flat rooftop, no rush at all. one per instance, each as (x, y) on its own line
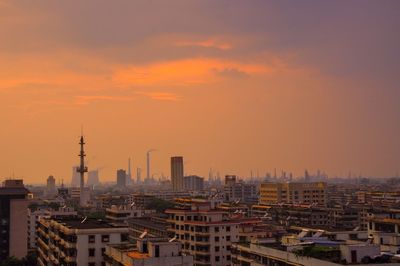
(146, 222)
(76, 223)
(13, 191)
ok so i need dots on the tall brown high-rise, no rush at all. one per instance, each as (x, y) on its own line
(177, 173)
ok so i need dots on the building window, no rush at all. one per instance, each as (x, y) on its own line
(92, 238)
(216, 229)
(216, 249)
(228, 228)
(217, 239)
(92, 264)
(105, 238)
(91, 252)
(124, 237)
(103, 251)
(216, 258)
(228, 238)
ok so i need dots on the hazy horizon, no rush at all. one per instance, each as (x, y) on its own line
(233, 86)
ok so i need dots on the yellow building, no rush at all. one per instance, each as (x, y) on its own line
(293, 193)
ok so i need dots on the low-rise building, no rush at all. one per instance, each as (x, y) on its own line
(122, 213)
(76, 241)
(153, 225)
(238, 190)
(147, 252)
(193, 183)
(294, 193)
(205, 233)
(35, 215)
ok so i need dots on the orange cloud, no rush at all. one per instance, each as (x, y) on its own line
(210, 43)
(161, 96)
(184, 72)
(87, 99)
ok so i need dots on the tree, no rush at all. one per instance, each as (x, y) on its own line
(12, 261)
(159, 205)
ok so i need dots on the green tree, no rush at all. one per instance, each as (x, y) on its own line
(159, 205)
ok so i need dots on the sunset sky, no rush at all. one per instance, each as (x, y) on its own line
(230, 85)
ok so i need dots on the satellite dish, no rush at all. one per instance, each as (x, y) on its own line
(143, 235)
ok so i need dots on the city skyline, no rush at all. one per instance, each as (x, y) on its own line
(231, 86)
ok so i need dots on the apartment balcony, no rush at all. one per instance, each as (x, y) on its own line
(202, 263)
(42, 255)
(202, 244)
(203, 239)
(69, 244)
(43, 233)
(202, 252)
(62, 254)
(202, 233)
(70, 259)
(42, 244)
(40, 262)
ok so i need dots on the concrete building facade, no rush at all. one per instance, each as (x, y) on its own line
(13, 219)
(177, 173)
(75, 241)
(205, 233)
(294, 193)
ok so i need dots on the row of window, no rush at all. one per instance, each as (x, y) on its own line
(192, 229)
(216, 238)
(92, 252)
(104, 238)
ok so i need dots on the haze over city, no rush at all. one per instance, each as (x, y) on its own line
(230, 85)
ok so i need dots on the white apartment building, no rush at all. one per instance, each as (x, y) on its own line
(122, 213)
(73, 241)
(35, 215)
(205, 233)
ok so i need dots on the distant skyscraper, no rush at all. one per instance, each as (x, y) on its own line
(148, 177)
(129, 174)
(93, 178)
(177, 173)
(51, 186)
(138, 175)
(121, 178)
(75, 177)
(193, 183)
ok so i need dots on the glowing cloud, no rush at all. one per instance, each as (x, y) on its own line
(184, 72)
(210, 43)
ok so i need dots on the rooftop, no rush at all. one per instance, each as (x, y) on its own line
(79, 223)
(146, 222)
(13, 191)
